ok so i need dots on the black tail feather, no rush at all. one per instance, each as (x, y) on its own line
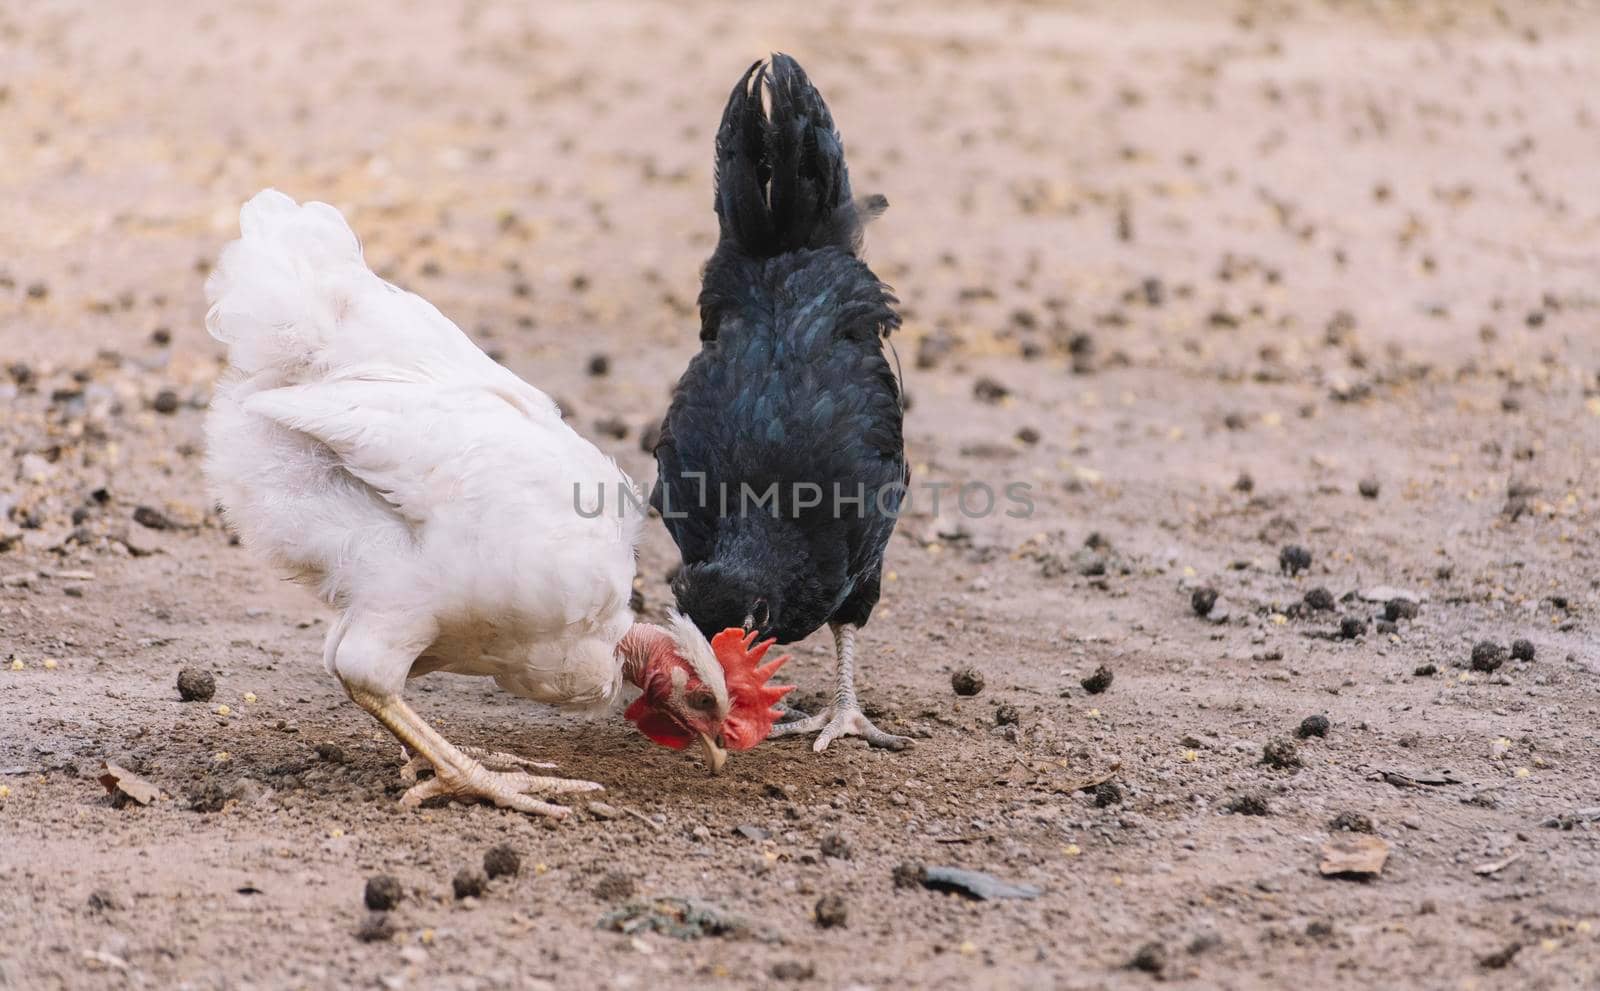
(743, 165)
(782, 184)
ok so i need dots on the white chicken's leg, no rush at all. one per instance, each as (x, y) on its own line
(844, 717)
(454, 773)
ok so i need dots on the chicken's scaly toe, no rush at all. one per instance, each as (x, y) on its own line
(792, 713)
(499, 760)
(507, 789)
(494, 760)
(837, 721)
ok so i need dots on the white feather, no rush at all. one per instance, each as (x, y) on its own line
(364, 444)
(694, 648)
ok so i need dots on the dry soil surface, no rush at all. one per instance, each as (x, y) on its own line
(1194, 272)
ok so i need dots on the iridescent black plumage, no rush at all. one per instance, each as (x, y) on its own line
(791, 385)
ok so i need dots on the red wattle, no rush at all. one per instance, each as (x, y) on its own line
(658, 727)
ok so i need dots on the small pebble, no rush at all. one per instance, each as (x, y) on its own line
(967, 681)
(1397, 609)
(1007, 715)
(1293, 559)
(1107, 793)
(166, 401)
(987, 390)
(1099, 681)
(1310, 726)
(909, 874)
(502, 861)
(375, 928)
(1203, 600)
(599, 365)
(1319, 599)
(1281, 754)
(195, 685)
(831, 912)
(383, 892)
(1154, 291)
(1150, 958)
(1248, 805)
(1351, 627)
(835, 845)
(103, 900)
(331, 752)
(469, 883)
(1352, 822)
(1522, 650)
(1368, 487)
(793, 970)
(1425, 670)
(1487, 656)
(152, 518)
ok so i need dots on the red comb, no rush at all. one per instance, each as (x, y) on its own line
(750, 712)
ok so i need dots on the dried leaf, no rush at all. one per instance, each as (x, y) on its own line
(123, 783)
(1355, 855)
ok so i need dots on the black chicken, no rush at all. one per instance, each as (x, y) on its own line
(781, 463)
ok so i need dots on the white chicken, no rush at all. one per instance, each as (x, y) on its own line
(362, 443)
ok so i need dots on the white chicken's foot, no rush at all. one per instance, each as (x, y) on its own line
(494, 760)
(457, 775)
(507, 789)
(844, 717)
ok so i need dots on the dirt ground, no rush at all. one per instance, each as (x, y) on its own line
(1229, 263)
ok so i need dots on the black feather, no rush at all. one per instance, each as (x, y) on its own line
(791, 386)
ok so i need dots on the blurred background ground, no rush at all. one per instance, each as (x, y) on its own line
(1194, 271)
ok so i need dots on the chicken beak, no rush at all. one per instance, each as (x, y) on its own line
(715, 755)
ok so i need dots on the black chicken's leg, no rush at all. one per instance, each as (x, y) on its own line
(844, 717)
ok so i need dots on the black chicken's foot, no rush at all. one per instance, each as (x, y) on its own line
(844, 717)
(837, 721)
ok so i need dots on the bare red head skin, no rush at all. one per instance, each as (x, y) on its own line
(677, 706)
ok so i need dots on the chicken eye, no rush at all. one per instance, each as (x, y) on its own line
(702, 700)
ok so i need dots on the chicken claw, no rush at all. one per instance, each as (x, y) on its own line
(457, 774)
(836, 721)
(494, 760)
(844, 717)
(507, 789)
